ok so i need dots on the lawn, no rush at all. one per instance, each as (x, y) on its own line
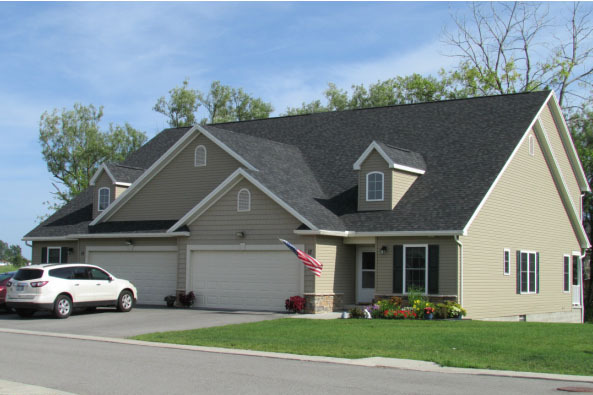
(521, 346)
(8, 268)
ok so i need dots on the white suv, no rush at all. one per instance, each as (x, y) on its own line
(61, 288)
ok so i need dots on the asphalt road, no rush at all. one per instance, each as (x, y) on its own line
(91, 367)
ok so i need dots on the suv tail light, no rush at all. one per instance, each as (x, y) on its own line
(38, 284)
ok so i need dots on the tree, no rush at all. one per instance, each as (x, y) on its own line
(506, 48)
(73, 147)
(12, 254)
(181, 106)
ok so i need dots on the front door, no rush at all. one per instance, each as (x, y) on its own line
(365, 274)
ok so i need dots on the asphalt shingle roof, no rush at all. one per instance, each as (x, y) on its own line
(123, 173)
(307, 160)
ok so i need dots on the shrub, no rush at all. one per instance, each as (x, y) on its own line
(295, 304)
(356, 312)
(188, 299)
(450, 309)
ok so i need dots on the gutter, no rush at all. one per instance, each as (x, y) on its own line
(582, 285)
(75, 237)
(351, 233)
(460, 244)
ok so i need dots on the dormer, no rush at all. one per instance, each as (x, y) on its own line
(385, 173)
(109, 182)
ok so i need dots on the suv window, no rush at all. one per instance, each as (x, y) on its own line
(80, 273)
(28, 274)
(63, 272)
(97, 274)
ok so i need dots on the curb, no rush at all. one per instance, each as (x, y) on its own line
(377, 362)
(12, 388)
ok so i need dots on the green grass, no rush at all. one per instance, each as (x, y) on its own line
(9, 268)
(521, 346)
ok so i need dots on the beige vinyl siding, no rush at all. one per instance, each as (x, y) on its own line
(38, 245)
(339, 267)
(103, 181)
(523, 212)
(180, 185)
(374, 162)
(560, 152)
(402, 181)
(119, 190)
(264, 224)
(448, 263)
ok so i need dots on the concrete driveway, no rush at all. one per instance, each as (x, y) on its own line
(110, 323)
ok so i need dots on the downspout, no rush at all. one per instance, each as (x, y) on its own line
(460, 269)
(581, 284)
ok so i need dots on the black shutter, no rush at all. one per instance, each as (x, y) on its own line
(518, 272)
(398, 268)
(43, 254)
(433, 269)
(537, 272)
(64, 255)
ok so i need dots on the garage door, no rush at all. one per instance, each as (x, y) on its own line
(154, 273)
(245, 280)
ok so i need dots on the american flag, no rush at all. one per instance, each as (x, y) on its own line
(312, 264)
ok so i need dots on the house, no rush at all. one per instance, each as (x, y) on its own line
(475, 200)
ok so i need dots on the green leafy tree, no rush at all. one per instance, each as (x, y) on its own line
(12, 253)
(181, 106)
(73, 147)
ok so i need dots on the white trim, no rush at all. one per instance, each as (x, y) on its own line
(223, 188)
(99, 198)
(382, 186)
(572, 153)
(196, 164)
(128, 235)
(425, 266)
(351, 233)
(49, 238)
(506, 251)
(243, 210)
(59, 256)
(164, 160)
(103, 167)
(392, 165)
(122, 184)
(569, 272)
(531, 145)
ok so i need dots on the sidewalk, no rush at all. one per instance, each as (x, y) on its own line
(13, 388)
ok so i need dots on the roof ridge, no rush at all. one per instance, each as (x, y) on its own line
(128, 167)
(398, 148)
(382, 107)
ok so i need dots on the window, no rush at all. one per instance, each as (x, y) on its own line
(531, 145)
(200, 156)
(415, 263)
(244, 200)
(374, 186)
(63, 272)
(506, 261)
(103, 198)
(576, 269)
(528, 272)
(97, 274)
(566, 273)
(368, 270)
(54, 255)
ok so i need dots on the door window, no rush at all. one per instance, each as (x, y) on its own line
(368, 270)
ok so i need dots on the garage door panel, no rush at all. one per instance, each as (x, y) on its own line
(251, 280)
(153, 273)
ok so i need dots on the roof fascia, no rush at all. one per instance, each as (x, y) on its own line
(226, 148)
(128, 235)
(506, 165)
(380, 234)
(48, 238)
(145, 177)
(98, 173)
(224, 187)
(392, 165)
(571, 150)
(563, 188)
(122, 184)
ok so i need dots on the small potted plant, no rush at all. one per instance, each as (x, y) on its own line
(187, 299)
(170, 299)
(428, 312)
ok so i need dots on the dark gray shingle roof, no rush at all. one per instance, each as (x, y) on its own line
(123, 173)
(307, 160)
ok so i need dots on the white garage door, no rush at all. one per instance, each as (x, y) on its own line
(245, 280)
(154, 273)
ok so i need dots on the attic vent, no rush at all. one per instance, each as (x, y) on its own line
(244, 200)
(200, 156)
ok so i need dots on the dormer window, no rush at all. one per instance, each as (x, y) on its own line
(200, 156)
(375, 186)
(244, 200)
(104, 198)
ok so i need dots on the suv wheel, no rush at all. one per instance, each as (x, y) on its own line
(25, 313)
(125, 301)
(63, 306)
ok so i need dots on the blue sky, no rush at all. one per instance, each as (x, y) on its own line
(125, 55)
